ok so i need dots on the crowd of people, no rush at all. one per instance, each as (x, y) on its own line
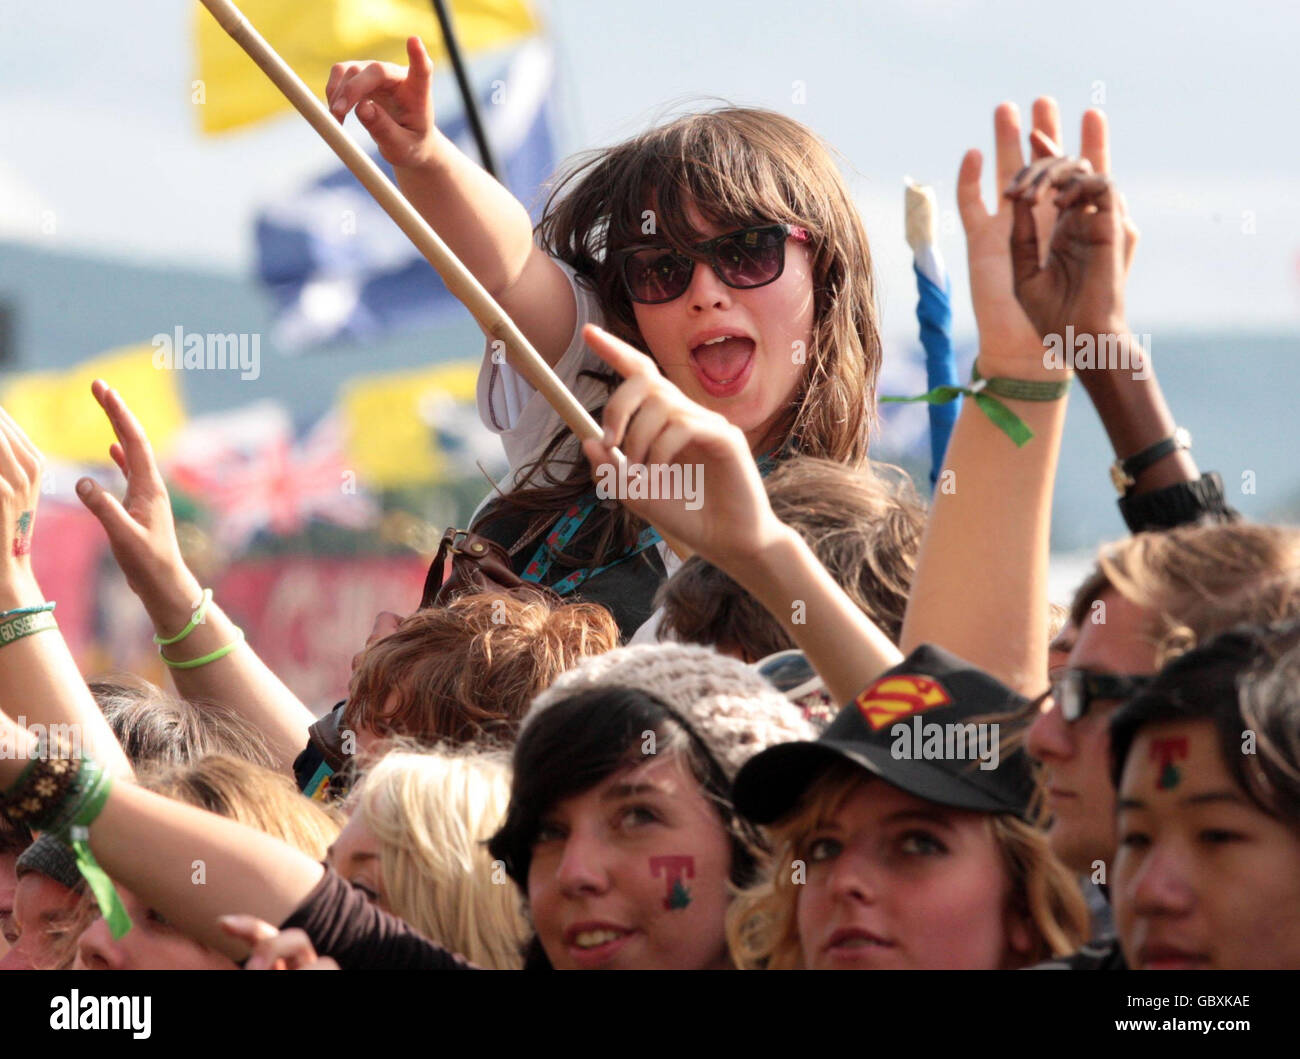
(812, 721)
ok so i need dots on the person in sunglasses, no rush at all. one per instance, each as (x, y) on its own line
(724, 243)
(1149, 599)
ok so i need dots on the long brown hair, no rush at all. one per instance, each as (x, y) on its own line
(737, 166)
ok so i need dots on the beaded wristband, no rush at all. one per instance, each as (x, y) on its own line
(220, 652)
(195, 618)
(19, 611)
(16, 628)
(62, 795)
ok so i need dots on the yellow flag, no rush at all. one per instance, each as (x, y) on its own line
(313, 35)
(64, 421)
(390, 438)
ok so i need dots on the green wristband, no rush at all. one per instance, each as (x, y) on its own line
(195, 618)
(982, 391)
(75, 833)
(1020, 389)
(220, 652)
(21, 625)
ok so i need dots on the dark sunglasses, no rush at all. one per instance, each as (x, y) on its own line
(1074, 690)
(752, 257)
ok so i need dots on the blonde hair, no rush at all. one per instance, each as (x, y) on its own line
(250, 795)
(1199, 581)
(762, 927)
(431, 814)
(239, 790)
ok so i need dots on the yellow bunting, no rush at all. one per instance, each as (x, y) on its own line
(230, 92)
(63, 419)
(390, 439)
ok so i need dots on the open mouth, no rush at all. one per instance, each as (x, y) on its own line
(723, 364)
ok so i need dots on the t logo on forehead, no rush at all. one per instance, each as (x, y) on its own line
(1165, 752)
(890, 699)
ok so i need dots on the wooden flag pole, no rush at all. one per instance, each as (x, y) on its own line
(482, 306)
(491, 317)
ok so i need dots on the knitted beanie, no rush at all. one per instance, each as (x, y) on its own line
(732, 710)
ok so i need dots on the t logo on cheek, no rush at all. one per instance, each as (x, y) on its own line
(1165, 752)
(674, 868)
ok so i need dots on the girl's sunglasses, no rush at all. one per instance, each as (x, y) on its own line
(752, 257)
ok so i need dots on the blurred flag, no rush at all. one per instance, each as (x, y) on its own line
(61, 417)
(312, 37)
(336, 264)
(248, 470)
(413, 427)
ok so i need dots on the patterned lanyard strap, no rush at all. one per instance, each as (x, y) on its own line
(572, 519)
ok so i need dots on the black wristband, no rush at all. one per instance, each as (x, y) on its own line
(1180, 504)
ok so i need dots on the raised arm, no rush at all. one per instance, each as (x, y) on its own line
(142, 535)
(153, 846)
(39, 680)
(478, 218)
(733, 525)
(980, 587)
(1121, 381)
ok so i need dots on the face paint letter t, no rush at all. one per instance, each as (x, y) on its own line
(1166, 752)
(674, 869)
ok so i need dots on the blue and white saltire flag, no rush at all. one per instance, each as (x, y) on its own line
(934, 314)
(337, 265)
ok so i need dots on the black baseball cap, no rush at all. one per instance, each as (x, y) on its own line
(931, 687)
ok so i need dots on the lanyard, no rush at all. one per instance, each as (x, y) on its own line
(563, 532)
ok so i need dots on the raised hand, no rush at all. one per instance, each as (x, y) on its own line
(140, 528)
(393, 102)
(658, 426)
(21, 464)
(275, 950)
(1010, 344)
(1079, 281)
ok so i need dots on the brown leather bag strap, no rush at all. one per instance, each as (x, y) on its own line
(468, 562)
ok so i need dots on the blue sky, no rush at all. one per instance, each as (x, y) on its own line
(98, 134)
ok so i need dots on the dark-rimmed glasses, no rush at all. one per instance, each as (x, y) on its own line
(1074, 690)
(751, 257)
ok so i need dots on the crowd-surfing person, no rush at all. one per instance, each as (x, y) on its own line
(826, 728)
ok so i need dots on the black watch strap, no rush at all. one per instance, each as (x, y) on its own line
(1183, 503)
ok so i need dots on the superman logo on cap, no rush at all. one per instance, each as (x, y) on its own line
(892, 698)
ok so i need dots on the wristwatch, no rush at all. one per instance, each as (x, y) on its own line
(1123, 473)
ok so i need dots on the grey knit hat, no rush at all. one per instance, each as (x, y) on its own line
(48, 856)
(733, 711)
